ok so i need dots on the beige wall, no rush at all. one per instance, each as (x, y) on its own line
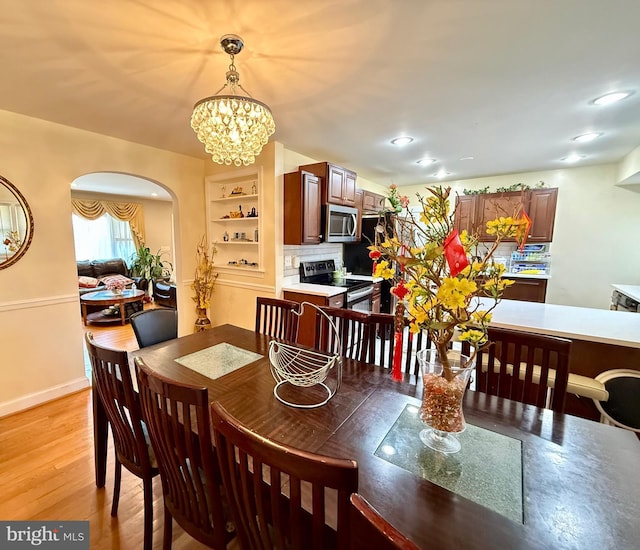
(595, 236)
(38, 295)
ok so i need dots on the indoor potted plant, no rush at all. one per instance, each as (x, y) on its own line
(147, 266)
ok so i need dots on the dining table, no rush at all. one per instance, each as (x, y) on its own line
(526, 477)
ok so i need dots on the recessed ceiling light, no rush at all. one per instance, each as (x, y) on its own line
(607, 99)
(154, 194)
(403, 140)
(426, 161)
(584, 138)
(442, 173)
(74, 184)
(573, 157)
(466, 158)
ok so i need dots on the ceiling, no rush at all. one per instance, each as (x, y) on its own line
(507, 82)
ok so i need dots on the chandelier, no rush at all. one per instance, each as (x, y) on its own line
(233, 126)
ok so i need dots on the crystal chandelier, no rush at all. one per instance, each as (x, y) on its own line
(233, 127)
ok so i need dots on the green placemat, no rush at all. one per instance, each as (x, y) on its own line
(487, 470)
(218, 360)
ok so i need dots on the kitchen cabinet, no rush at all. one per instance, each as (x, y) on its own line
(465, 218)
(474, 211)
(338, 184)
(372, 203)
(495, 205)
(541, 208)
(302, 208)
(233, 208)
(307, 323)
(526, 290)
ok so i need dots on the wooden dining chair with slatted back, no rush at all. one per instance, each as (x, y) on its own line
(282, 497)
(379, 327)
(153, 326)
(277, 318)
(525, 367)
(369, 530)
(411, 344)
(350, 327)
(177, 416)
(113, 383)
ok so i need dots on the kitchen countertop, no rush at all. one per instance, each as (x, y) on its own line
(621, 328)
(632, 291)
(316, 290)
(526, 276)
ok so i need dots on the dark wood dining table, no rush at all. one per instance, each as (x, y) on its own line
(580, 484)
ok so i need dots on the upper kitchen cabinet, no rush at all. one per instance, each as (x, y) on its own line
(372, 202)
(542, 211)
(465, 219)
(302, 220)
(474, 211)
(338, 184)
(495, 205)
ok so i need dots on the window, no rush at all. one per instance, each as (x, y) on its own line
(103, 238)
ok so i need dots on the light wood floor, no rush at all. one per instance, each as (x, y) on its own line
(47, 471)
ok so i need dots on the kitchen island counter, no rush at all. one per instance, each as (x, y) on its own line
(619, 328)
(314, 290)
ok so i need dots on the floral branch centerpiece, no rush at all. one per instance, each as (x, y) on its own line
(203, 282)
(438, 276)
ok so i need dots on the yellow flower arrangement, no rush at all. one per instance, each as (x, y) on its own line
(434, 279)
(205, 275)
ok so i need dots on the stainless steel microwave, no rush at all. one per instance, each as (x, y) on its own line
(340, 223)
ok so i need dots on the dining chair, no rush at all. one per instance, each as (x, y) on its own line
(177, 416)
(622, 406)
(385, 344)
(282, 497)
(350, 337)
(370, 530)
(153, 326)
(526, 367)
(277, 318)
(113, 383)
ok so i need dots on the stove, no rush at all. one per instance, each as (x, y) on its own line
(359, 293)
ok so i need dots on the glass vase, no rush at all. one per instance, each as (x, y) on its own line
(441, 408)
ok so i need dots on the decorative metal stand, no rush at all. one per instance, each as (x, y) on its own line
(303, 367)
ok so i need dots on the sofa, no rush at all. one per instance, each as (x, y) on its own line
(95, 274)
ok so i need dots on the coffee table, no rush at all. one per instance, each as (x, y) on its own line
(108, 298)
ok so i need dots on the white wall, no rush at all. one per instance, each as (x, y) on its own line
(596, 231)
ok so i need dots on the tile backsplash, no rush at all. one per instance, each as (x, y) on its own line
(311, 253)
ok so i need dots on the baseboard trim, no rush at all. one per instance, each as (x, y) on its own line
(39, 398)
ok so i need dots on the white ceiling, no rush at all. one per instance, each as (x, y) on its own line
(507, 82)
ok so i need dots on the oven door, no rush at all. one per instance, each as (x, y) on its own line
(361, 299)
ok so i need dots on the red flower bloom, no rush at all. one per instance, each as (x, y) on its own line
(400, 290)
(374, 254)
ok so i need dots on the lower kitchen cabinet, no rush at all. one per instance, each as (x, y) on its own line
(307, 324)
(526, 290)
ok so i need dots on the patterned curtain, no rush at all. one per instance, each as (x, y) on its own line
(124, 211)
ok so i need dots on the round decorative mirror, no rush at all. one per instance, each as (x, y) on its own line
(16, 224)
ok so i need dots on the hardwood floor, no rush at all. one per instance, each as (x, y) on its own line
(47, 471)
